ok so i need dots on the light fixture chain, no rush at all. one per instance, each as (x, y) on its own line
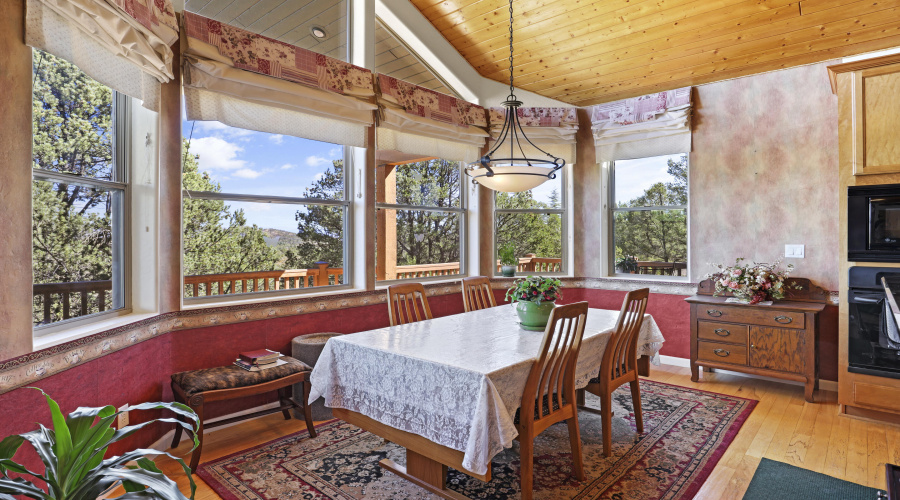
(512, 91)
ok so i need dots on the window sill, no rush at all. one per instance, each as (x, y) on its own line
(662, 279)
(64, 335)
(194, 304)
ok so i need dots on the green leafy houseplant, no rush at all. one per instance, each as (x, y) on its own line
(534, 297)
(73, 452)
(508, 260)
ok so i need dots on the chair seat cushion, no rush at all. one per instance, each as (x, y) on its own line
(545, 407)
(231, 377)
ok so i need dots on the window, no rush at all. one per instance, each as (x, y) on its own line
(420, 220)
(262, 212)
(649, 215)
(533, 223)
(78, 193)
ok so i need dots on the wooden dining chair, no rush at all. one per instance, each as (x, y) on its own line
(619, 365)
(549, 396)
(477, 293)
(407, 303)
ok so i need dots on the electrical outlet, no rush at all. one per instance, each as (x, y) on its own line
(122, 419)
(794, 251)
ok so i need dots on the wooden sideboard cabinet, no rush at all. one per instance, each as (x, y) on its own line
(777, 341)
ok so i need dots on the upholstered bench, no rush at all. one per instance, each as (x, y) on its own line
(198, 387)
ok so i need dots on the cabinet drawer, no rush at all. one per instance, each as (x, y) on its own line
(878, 396)
(722, 353)
(757, 315)
(722, 332)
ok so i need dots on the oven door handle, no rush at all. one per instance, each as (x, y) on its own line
(865, 300)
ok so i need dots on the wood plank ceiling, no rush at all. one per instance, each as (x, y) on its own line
(393, 58)
(591, 51)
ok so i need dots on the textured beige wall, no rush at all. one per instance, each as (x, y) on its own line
(764, 172)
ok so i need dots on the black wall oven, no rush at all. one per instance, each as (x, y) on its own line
(874, 333)
(873, 223)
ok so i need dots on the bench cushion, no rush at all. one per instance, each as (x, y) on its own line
(231, 377)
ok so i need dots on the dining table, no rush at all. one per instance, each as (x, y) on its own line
(447, 389)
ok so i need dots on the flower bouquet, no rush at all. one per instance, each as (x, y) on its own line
(535, 298)
(752, 283)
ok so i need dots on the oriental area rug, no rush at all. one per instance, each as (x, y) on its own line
(686, 433)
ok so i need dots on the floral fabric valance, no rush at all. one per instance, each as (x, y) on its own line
(426, 103)
(553, 130)
(420, 122)
(253, 82)
(260, 54)
(650, 125)
(123, 44)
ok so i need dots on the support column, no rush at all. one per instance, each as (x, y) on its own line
(169, 260)
(386, 237)
(588, 203)
(369, 200)
(487, 257)
(15, 183)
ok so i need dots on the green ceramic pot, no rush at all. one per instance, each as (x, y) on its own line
(508, 271)
(534, 316)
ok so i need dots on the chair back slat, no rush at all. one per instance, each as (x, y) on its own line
(620, 357)
(553, 374)
(477, 293)
(407, 303)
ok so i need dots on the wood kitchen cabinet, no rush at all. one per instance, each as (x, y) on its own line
(776, 341)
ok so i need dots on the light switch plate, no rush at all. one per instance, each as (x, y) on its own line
(794, 251)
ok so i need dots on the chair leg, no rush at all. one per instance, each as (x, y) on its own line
(606, 416)
(575, 443)
(307, 411)
(526, 459)
(195, 456)
(636, 401)
(580, 397)
(284, 398)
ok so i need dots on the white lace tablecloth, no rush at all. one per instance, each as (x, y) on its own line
(456, 380)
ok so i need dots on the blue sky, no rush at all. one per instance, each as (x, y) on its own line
(247, 162)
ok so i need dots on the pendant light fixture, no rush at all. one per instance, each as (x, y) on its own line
(514, 173)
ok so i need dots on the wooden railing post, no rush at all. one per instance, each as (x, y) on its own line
(322, 274)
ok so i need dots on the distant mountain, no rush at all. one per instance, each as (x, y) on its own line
(278, 237)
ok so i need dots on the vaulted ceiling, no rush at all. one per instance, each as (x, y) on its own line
(591, 51)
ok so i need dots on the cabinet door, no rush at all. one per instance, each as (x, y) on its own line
(778, 349)
(875, 120)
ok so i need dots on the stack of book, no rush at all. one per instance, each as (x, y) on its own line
(263, 359)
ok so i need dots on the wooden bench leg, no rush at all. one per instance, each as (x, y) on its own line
(197, 406)
(284, 398)
(176, 440)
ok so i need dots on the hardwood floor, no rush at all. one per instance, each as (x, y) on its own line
(783, 427)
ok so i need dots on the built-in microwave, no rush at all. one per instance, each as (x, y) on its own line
(873, 223)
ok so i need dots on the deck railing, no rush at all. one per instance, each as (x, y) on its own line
(664, 268)
(93, 294)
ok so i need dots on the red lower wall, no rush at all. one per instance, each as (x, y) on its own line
(141, 373)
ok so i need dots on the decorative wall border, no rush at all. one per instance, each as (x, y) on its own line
(31, 368)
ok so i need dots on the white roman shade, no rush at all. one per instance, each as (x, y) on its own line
(550, 129)
(253, 82)
(123, 44)
(416, 122)
(641, 127)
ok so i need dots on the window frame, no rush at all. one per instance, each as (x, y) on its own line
(346, 203)
(121, 258)
(611, 224)
(563, 212)
(462, 212)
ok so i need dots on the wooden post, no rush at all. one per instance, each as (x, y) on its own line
(321, 274)
(487, 259)
(587, 202)
(169, 261)
(15, 188)
(386, 237)
(369, 200)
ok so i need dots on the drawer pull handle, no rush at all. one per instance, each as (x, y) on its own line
(715, 313)
(719, 352)
(784, 319)
(721, 332)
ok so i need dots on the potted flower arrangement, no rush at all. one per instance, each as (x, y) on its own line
(752, 282)
(627, 264)
(73, 451)
(508, 260)
(535, 298)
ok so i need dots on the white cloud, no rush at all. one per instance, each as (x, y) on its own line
(247, 173)
(220, 129)
(217, 154)
(288, 166)
(335, 152)
(316, 161)
(319, 176)
(277, 138)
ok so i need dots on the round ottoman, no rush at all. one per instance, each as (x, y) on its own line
(307, 349)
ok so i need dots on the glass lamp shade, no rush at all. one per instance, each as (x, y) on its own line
(510, 178)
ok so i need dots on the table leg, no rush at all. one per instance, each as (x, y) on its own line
(423, 472)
